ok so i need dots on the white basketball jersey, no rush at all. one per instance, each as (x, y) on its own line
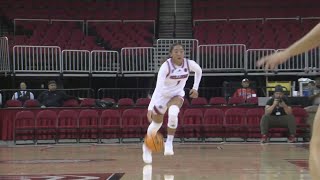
(176, 78)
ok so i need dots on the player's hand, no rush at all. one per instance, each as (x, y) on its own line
(193, 93)
(149, 115)
(272, 61)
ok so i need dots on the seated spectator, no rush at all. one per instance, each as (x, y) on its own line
(52, 97)
(278, 113)
(245, 91)
(23, 94)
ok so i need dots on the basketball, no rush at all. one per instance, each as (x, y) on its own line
(154, 142)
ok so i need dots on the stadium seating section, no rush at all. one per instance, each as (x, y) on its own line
(63, 23)
(257, 24)
(201, 122)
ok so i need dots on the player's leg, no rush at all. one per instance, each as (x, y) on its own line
(314, 159)
(156, 123)
(174, 108)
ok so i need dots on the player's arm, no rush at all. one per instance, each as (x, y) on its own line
(309, 41)
(163, 71)
(314, 160)
(194, 67)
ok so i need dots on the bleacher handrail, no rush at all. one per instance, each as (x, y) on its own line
(76, 61)
(4, 55)
(100, 63)
(45, 59)
(137, 60)
(217, 57)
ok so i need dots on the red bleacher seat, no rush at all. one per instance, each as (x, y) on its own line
(253, 122)
(67, 125)
(235, 123)
(31, 103)
(143, 102)
(200, 101)
(71, 103)
(236, 101)
(110, 124)
(24, 126)
(46, 122)
(192, 123)
(88, 124)
(131, 124)
(213, 123)
(218, 101)
(13, 103)
(125, 102)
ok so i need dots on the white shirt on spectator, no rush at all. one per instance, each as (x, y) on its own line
(15, 95)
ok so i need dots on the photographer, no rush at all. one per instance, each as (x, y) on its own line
(278, 113)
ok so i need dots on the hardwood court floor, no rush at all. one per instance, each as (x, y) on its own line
(191, 162)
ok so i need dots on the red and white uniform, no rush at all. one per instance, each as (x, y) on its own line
(171, 82)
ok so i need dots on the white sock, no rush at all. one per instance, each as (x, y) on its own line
(153, 128)
(169, 138)
(147, 172)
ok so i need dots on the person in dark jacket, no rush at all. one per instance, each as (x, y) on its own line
(52, 97)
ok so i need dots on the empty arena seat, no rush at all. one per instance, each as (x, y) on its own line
(31, 103)
(88, 124)
(110, 124)
(143, 101)
(71, 103)
(254, 116)
(191, 123)
(24, 126)
(235, 123)
(67, 125)
(301, 116)
(45, 125)
(236, 101)
(125, 102)
(200, 101)
(218, 101)
(131, 124)
(213, 123)
(13, 103)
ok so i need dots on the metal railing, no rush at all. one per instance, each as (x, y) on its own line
(253, 55)
(163, 47)
(137, 60)
(36, 59)
(4, 55)
(221, 57)
(76, 61)
(295, 63)
(78, 92)
(313, 62)
(118, 93)
(105, 62)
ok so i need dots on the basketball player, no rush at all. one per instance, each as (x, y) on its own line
(168, 94)
(308, 42)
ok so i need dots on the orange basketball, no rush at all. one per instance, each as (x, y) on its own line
(154, 142)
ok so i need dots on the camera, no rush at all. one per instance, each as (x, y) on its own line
(279, 100)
